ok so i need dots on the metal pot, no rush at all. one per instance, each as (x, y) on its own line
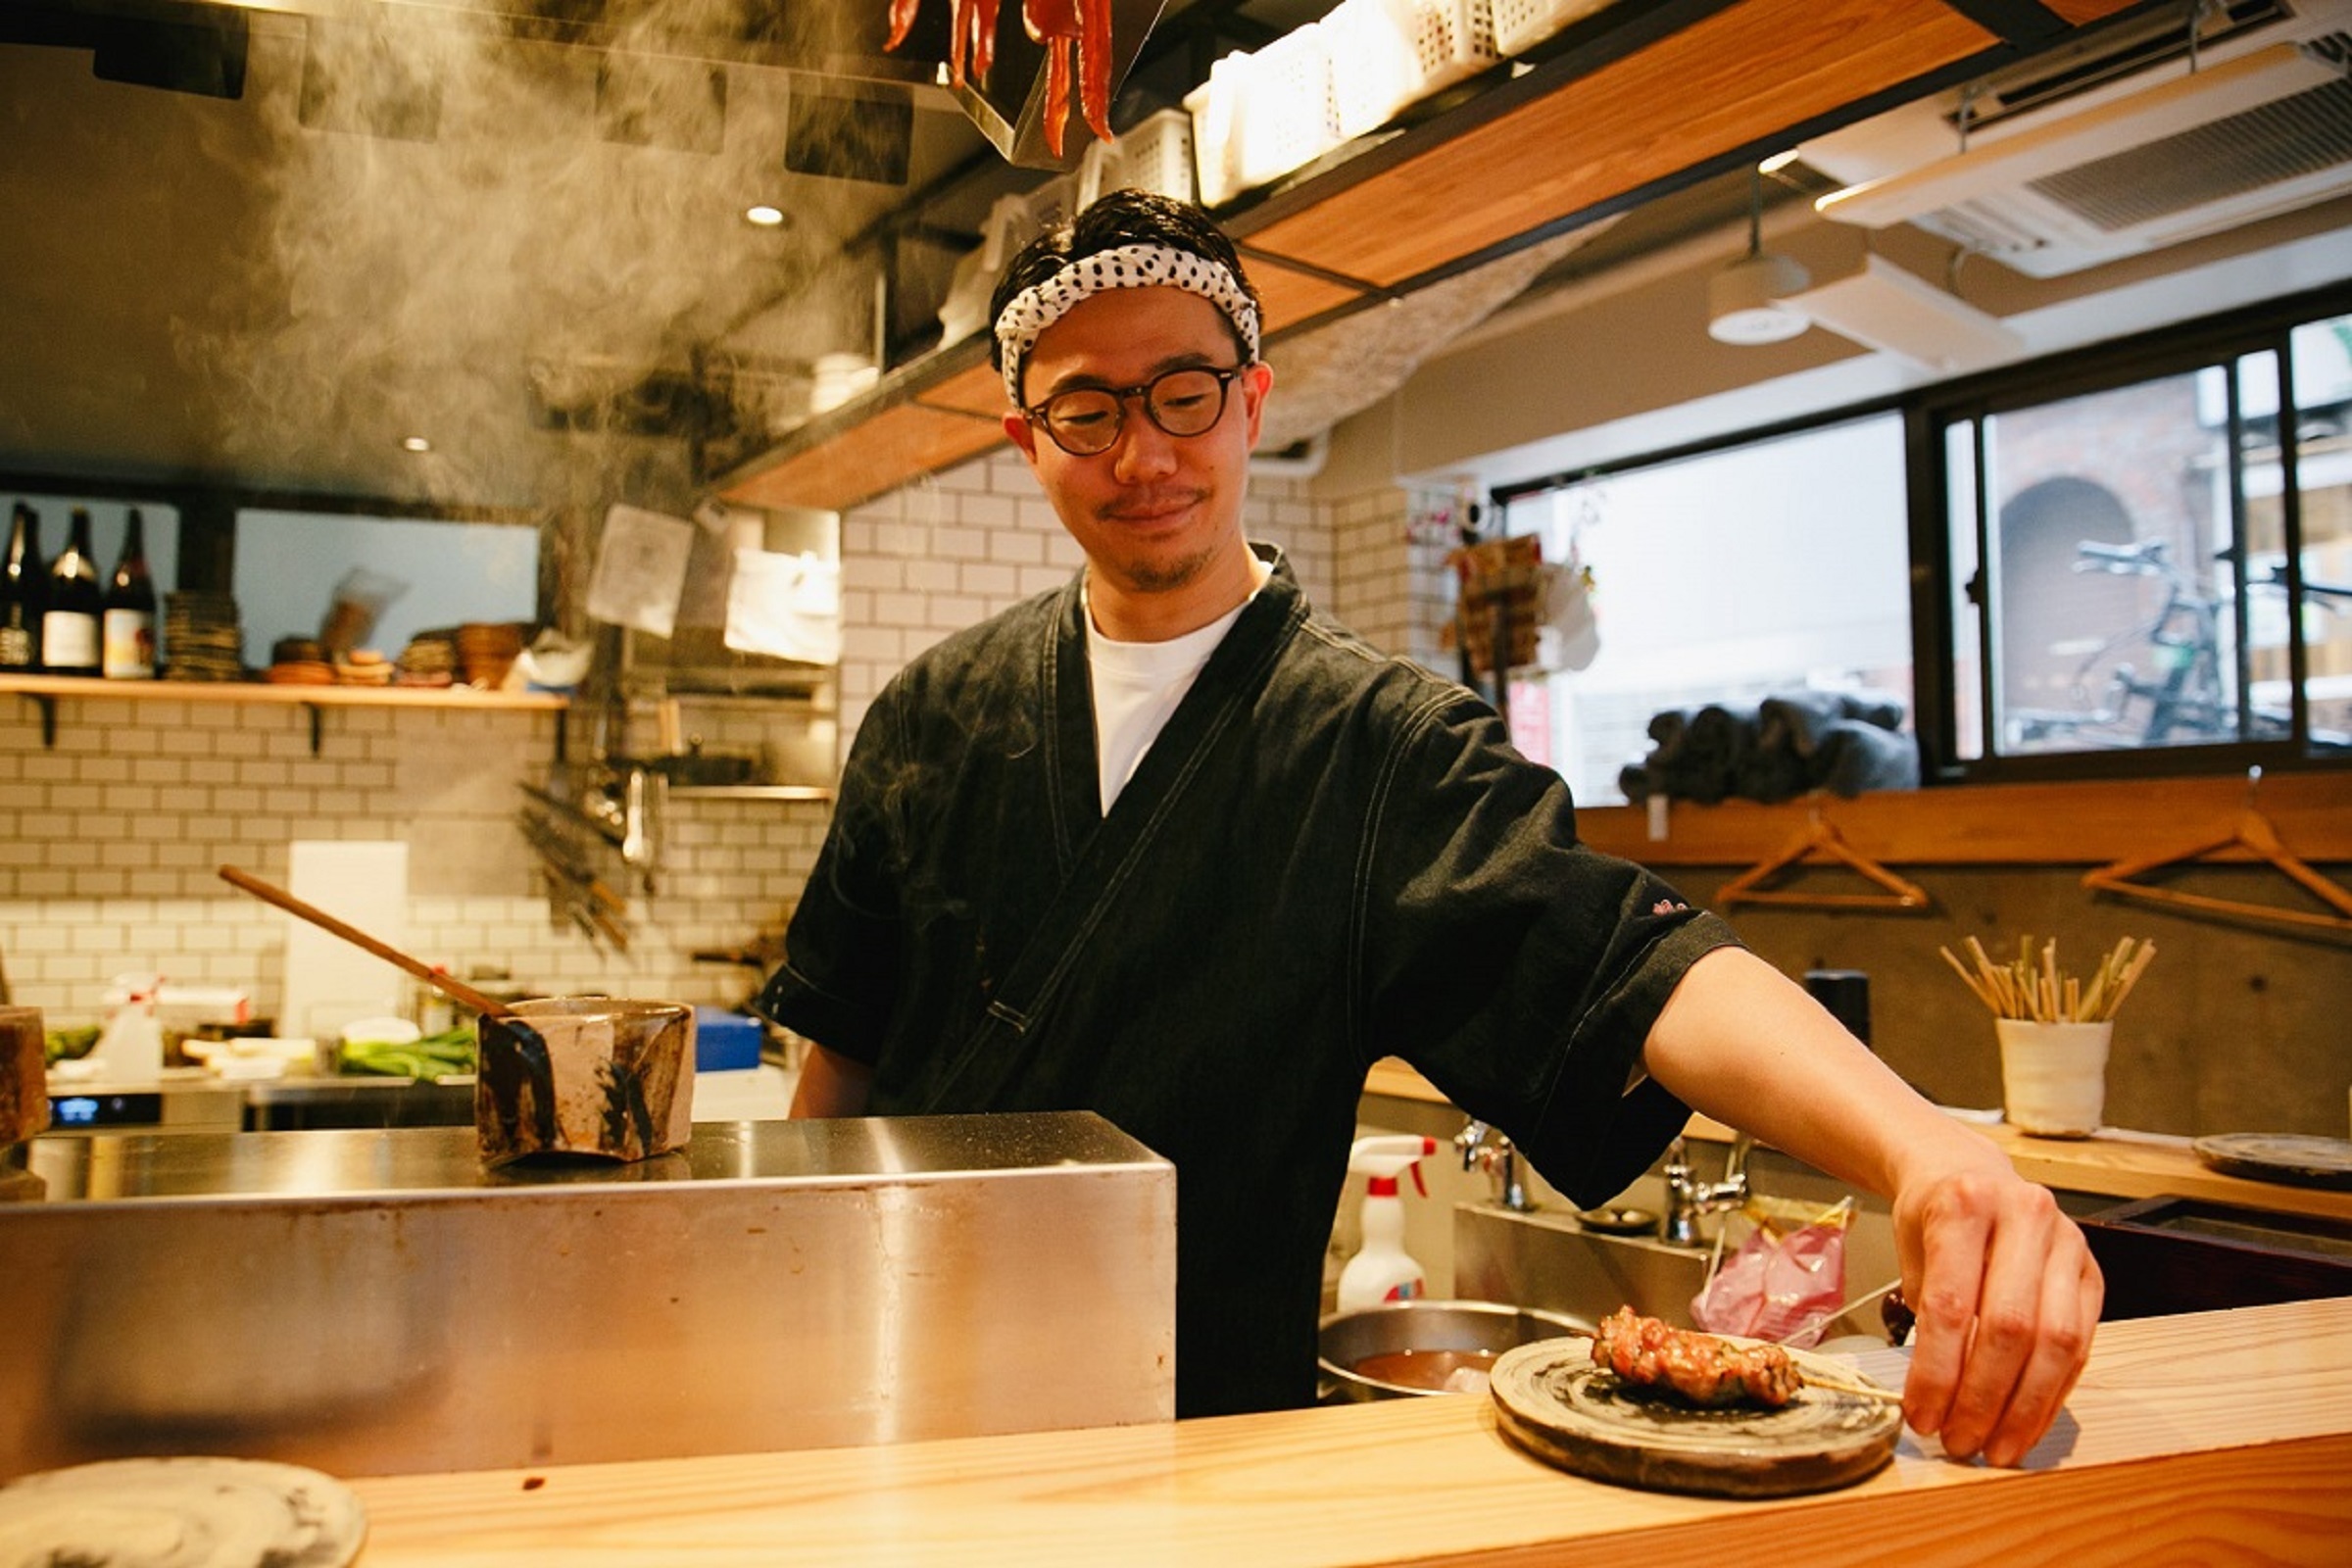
(1403, 1349)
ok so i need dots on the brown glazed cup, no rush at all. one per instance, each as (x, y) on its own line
(585, 1076)
(24, 1074)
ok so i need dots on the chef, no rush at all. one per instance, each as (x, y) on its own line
(1170, 845)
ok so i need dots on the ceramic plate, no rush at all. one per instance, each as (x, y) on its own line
(180, 1513)
(1554, 1401)
(2305, 1161)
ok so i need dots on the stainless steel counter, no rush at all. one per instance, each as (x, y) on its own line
(373, 1302)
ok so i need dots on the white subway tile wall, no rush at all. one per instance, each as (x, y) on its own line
(110, 839)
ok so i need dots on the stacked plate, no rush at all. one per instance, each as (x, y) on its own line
(487, 649)
(202, 637)
(429, 659)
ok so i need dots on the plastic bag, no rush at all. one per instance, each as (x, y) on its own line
(1783, 1284)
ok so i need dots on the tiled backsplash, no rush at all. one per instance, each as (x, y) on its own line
(110, 841)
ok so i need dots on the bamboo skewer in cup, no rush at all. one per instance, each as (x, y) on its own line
(2054, 1031)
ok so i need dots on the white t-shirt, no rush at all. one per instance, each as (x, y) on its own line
(1137, 687)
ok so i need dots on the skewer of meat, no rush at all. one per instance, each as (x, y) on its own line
(1704, 1370)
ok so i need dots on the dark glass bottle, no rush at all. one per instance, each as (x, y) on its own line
(23, 588)
(69, 622)
(127, 633)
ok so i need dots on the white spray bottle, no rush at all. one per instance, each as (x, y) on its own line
(1383, 1270)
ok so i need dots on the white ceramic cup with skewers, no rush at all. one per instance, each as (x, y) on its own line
(2054, 1075)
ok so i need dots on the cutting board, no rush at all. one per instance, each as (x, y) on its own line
(1552, 1401)
(329, 982)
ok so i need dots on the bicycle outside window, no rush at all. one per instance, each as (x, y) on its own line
(2150, 561)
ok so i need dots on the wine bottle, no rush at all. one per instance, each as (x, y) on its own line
(69, 622)
(22, 589)
(129, 622)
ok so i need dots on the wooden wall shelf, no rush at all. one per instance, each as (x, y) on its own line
(2084, 823)
(46, 691)
(1656, 92)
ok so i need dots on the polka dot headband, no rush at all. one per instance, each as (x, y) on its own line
(1035, 309)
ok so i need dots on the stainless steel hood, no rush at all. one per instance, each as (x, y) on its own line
(376, 1301)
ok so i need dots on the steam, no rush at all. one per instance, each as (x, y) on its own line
(461, 233)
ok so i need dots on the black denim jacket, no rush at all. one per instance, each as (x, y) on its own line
(1329, 855)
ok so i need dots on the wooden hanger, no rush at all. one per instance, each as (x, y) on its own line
(1820, 840)
(2249, 830)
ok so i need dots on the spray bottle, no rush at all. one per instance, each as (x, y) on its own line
(131, 1048)
(1383, 1270)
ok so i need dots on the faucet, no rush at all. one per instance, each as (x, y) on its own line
(1689, 1199)
(1484, 1148)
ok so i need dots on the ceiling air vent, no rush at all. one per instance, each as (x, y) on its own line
(2262, 126)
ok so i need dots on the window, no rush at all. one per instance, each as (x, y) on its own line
(1776, 566)
(289, 565)
(2161, 561)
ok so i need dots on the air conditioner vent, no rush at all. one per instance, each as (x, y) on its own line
(2221, 161)
(2110, 54)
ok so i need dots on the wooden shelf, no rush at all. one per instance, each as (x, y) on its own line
(45, 691)
(2086, 824)
(1656, 92)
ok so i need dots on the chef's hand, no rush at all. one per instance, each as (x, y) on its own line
(2006, 1295)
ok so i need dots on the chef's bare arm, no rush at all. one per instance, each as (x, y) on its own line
(831, 1083)
(2003, 1284)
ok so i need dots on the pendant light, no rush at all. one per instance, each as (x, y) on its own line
(1744, 300)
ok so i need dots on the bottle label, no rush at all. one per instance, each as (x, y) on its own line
(16, 646)
(129, 645)
(69, 640)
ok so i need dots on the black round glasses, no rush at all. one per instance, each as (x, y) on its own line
(1087, 420)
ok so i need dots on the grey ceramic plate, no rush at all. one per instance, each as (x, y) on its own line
(1554, 1401)
(2305, 1161)
(181, 1513)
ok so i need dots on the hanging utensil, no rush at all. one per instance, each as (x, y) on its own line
(439, 980)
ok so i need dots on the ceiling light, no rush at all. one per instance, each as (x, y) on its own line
(1745, 300)
(415, 443)
(765, 215)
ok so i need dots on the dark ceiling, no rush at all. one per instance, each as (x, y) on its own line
(261, 247)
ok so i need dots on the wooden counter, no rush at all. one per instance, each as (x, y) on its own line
(2220, 1437)
(2119, 1164)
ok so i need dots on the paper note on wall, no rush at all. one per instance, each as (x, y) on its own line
(786, 606)
(329, 982)
(641, 570)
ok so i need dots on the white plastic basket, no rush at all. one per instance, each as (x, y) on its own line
(1387, 53)
(1259, 116)
(1523, 24)
(1453, 39)
(1374, 67)
(1155, 155)
(1008, 227)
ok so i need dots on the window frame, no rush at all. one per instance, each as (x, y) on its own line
(2211, 342)
(2220, 339)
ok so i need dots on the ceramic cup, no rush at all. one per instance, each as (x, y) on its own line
(585, 1075)
(2053, 1075)
(24, 1074)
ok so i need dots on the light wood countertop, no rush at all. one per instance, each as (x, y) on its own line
(2117, 1162)
(2204, 1438)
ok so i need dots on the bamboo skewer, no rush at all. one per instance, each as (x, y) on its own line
(2030, 986)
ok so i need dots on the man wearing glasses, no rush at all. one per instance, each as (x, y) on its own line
(1168, 845)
